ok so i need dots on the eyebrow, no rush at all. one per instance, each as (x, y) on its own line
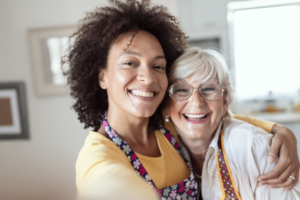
(182, 80)
(208, 81)
(137, 54)
(130, 53)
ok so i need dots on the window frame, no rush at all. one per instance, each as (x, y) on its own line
(232, 7)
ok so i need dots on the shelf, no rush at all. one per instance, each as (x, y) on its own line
(281, 118)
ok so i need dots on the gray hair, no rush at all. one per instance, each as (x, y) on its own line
(203, 64)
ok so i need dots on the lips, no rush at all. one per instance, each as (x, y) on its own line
(142, 93)
(196, 117)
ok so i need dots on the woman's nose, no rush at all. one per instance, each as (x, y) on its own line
(145, 75)
(196, 99)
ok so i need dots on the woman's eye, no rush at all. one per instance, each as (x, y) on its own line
(159, 67)
(208, 90)
(180, 90)
(129, 63)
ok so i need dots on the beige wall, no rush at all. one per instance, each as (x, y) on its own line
(42, 168)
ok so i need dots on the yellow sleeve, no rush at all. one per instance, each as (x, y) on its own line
(267, 126)
(103, 172)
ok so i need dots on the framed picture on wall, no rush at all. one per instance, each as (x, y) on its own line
(13, 111)
(47, 46)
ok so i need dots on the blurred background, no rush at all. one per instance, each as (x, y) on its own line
(40, 142)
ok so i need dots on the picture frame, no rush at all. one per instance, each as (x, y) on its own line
(13, 111)
(42, 61)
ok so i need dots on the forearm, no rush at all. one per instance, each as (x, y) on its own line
(267, 126)
(277, 128)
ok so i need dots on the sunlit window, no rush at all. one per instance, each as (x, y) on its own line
(53, 49)
(265, 47)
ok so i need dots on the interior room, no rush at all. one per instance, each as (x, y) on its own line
(39, 151)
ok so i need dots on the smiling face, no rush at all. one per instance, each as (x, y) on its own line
(196, 118)
(135, 78)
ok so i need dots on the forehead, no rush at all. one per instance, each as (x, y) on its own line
(140, 41)
(190, 81)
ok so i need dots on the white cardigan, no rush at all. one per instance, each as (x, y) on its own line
(246, 148)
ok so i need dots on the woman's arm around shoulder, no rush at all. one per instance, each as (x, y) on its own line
(284, 144)
(250, 146)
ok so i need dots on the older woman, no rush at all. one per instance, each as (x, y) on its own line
(227, 155)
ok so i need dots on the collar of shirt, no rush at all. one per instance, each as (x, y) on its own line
(213, 146)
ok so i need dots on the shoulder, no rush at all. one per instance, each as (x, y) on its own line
(242, 137)
(243, 130)
(246, 148)
(101, 164)
(98, 156)
(95, 143)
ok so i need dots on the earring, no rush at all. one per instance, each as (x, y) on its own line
(167, 119)
(223, 118)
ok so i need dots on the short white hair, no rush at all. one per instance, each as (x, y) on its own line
(203, 64)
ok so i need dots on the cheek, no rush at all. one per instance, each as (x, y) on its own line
(219, 109)
(175, 109)
(224, 106)
(224, 110)
(122, 78)
(163, 82)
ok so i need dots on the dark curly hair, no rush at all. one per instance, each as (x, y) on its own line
(93, 39)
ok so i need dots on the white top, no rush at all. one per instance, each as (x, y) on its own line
(246, 148)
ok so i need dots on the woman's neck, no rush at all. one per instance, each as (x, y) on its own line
(133, 130)
(197, 148)
(130, 128)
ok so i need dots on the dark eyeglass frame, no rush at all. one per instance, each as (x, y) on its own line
(194, 88)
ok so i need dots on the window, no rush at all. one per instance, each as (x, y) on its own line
(53, 49)
(265, 49)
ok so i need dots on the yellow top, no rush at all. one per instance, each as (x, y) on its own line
(101, 164)
(169, 168)
(100, 156)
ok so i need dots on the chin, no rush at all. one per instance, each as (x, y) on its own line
(194, 136)
(191, 134)
(144, 114)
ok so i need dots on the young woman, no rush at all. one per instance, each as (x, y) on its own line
(117, 76)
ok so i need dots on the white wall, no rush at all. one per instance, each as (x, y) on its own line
(42, 168)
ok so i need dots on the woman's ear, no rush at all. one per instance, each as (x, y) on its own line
(225, 105)
(166, 113)
(101, 78)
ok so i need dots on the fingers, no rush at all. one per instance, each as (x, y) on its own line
(283, 142)
(274, 149)
(276, 172)
(289, 183)
(283, 180)
(278, 180)
(294, 182)
(285, 160)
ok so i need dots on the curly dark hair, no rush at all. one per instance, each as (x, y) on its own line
(93, 39)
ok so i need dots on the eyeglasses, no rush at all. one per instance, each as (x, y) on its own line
(180, 92)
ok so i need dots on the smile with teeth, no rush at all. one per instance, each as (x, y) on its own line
(142, 94)
(195, 117)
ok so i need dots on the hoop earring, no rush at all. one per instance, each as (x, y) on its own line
(167, 119)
